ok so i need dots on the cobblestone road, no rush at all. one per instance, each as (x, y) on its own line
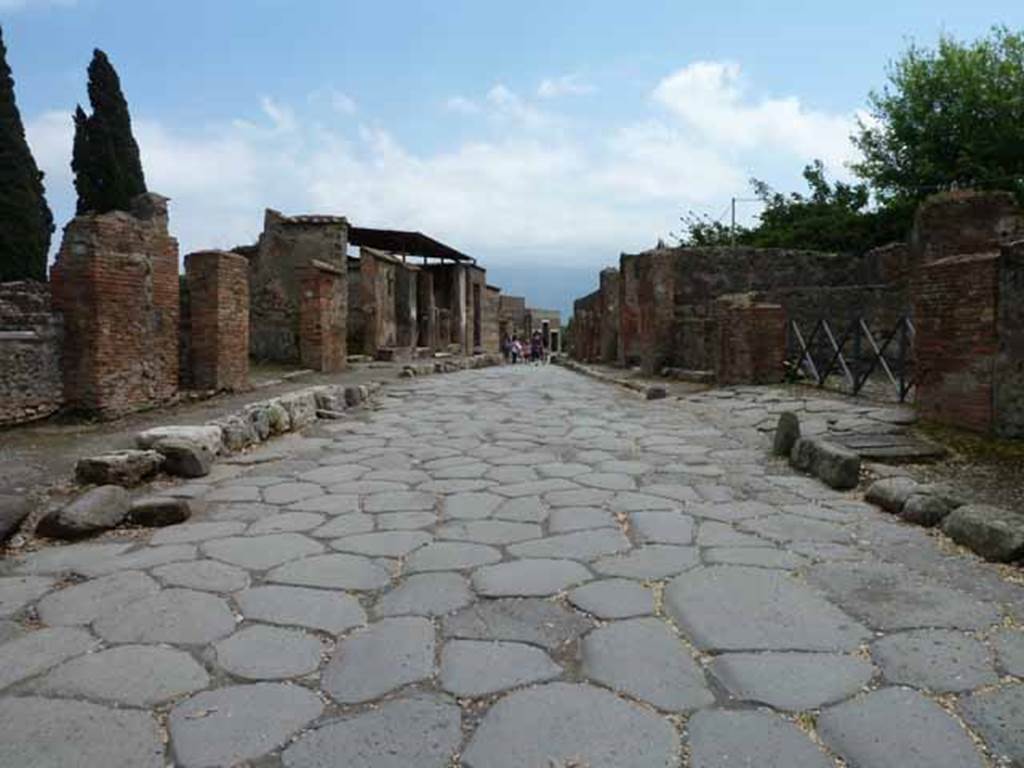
(515, 567)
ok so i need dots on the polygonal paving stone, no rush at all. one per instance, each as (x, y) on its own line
(408, 476)
(889, 596)
(644, 658)
(400, 501)
(792, 681)
(510, 475)
(74, 734)
(608, 481)
(567, 471)
(37, 651)
(629, 501)
(569, 724)
(450, 556)
(998, 715)
(896, 728)
(489, 531)
(426, 594)
(335, 473)
(827, 552)
(133, 675)
(460, 471)
(715, 534)
(330, 611)
(384, 656)
(1009, 645)
(237, 513)
(285, 522)
(580, 545)
(405, 521)
(332, 572)
(344, 525)
(530, 620)
(786, 528)
(172, 616)
(234, 493)
(18, 591)
(566, 519)
(68, 558)
(528, 578)
(383, 543)
(260, 652)
(262, 552)
(140, 559)
(759, 557)
(231, 725)
(738, 608)
(580, 497)
(445, 487)
(83, 603)
(720, 739)
(205, 575)
(613, 599)
(288, 493)
(366, 487)
(10, 630)
(936, 659)
(675, 491)
(634, 468)
(422, 731)
(654, 561)
(729, 511)
(331, 504)
(527, 509)
(470, 506)
(663, 527)
(481, 667)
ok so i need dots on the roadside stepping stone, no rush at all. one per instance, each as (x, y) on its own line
(285, 522)
(260, 652)
(38, 651)
(530, 620)
(206, 575)
(332, 572)
(262, 552)
(423, 731)
(580, 545)
(426, 594)
(450, 556)
(330, 611)
(759, 557)
(489, 531)
(188, 533)
(133, 675)
(230, 725)
(58, 733)
(792, 681)
(654, 561)
(528, 578)
(569, 724)
(644, 658)
(400, 501)
(480, 667)
(722, 739)
(383, 543)
(172, 616)
(18, 591)
(663, 527)
(935, 659)
(896, 728)
(565, 519)
(737, 608)
(613, 599)
(386, 655)
(345, 525)
(470, 506)
(83, 603)
(998, 715)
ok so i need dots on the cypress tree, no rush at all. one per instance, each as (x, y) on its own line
(26, 222)
(105, 157)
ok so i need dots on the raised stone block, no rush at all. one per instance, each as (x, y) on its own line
(786, 433)
(209, 435)
(833, 464)
(159, 511)
(994, 533)
(94, 511)
(891, 493)
(125, 468)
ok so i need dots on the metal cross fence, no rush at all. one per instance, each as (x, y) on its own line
(856, 355)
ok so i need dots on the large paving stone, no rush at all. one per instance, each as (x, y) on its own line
(470, 506)
(609, 481)
(331, 504)
(654, 561)
(69, 558)
(563, 724)
(792, 681)
(205, 575)
(140, 559)
(566, 519)
(421, 731)
(347, 525)
(18, 591)
(644, 658)
(939, 660)
(1009, 645)
(760, 557)
(889, 596)
(171, 616)
(231, 725)
(386, 655)
(400, 501)
(495, 532)
(629, 501)
(527, 509)
(528, 578)
(721, 739)
(663, 527)
(195, 532)
(450, 556)
(260, 652)
(262, 552)
(787, 528)
(530, 620)
(288, 493)
(579, 545)
(998, 715)
(83, 603)
(332, 572)
(132, 675)
(383, 543)
(326, 610)
(285, 522)
(404, 521)
(613, 599)
(738, 608)
(75, 734)
(896, 728)
(481, 667)
(426, 594)
(38, 651)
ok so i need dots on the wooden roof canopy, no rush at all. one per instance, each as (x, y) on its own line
(408, 243)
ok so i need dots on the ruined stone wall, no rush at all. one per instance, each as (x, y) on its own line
(31, 385)
(355, 322)
(426, 310)
(491, 330)
(377, 291)
(608, 309)
(449, 290)
(218, 306)
(750, 340)
(587, 322)
(549, 323)
(966, 221)
(476, 290)
(406, 310)
(1008, 392)
(323, 312)
(116, 283)
(512, 315)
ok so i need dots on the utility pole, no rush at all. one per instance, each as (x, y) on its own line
(732, 225)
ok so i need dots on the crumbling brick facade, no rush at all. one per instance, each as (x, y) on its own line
(218, 338)
(116, 283)
(512, 316)
(31, 384)
(750, 340)
(491, 329)
(322, 311)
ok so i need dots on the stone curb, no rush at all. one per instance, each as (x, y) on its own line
(650, 392)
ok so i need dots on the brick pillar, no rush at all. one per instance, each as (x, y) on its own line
(426, 308)
(750, 340)
(116, 284)
(218, 288)
(323, 305)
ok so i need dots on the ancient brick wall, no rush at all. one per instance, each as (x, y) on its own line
(406, 300)
(749, 341)
(322, 312)
(512, 315)
(116, 283)
(1008, 395)
(955, 223)
(426, 310)
(608, 319)
(491, 330)
(586, 328)
(31, 385)
(218, 339)
(476, 289)
(377, 298)
(355, 322)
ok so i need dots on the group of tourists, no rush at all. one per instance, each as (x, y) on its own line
(515, 351)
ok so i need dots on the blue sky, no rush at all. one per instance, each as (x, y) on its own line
(543, 137)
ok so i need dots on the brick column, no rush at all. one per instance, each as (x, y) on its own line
(750, 340)
(322, 316)
(218, 287)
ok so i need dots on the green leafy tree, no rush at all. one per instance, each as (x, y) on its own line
(949, 116)
(105, 156)
(26, 223)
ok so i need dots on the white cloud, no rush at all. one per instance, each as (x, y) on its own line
(566, 85)
(338, 101)
(462, 105)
